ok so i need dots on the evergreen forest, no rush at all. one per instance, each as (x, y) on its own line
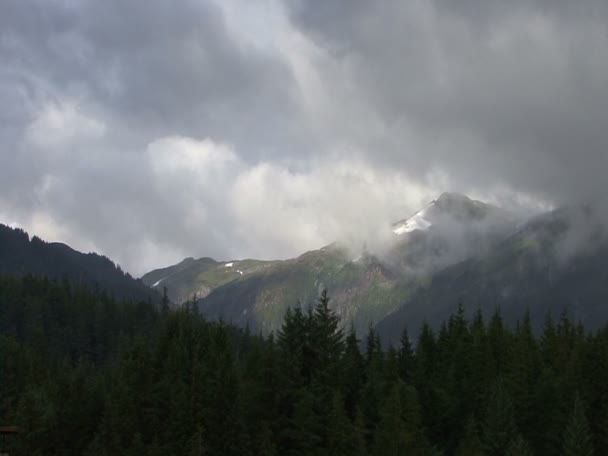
(85, 373)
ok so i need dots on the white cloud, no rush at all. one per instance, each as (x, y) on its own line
(182, 154)
(59, 126)
(284, 212)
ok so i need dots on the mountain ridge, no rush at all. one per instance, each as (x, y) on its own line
(528, 271)
(365, 286)
(21, 254)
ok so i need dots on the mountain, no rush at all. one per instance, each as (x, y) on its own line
(556, 262)
(259, 292)
(365, 286)
(454, 250)
(452, 208)
(20, 255)
(362, 289)
(198, 278)
(448, 230)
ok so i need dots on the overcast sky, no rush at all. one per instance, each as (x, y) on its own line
(153, 130)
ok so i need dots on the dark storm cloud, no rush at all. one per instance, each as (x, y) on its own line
(86, 86)
(510, 92)
(151, 130)
(159, 66)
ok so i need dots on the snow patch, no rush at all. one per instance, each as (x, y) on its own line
(417, 222)
(228, 265)
(239, 271)
(157, 283)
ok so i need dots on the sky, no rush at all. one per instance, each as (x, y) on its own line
(150, 131)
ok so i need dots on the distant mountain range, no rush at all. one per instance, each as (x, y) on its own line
(454, 250)
(20, 255)
(365, 287)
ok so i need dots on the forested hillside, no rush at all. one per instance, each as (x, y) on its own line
(82, 373)
(20, 255)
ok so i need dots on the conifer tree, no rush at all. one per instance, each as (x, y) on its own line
(426, 351)
(266, 446)
(499, 425)
(352, 373)
(303, 435)
(522, 371)
(577, 438)
(390, 438)
(497, 337)
(548, 343)
(292, 339)
(481, 357)
(343, 438)
(327, 339)
(469, 444)
(164, 303)
(548, 408)
(518, 447)
(416, 441)
(406, 357)
(372, 393)
(391, 367)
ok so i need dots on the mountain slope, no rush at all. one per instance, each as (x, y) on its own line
(553, 263)
(20, 255)
(450, 209)
(198, 278)
(447, 231)
(364, 288)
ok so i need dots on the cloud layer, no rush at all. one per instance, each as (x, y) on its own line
(151, 130)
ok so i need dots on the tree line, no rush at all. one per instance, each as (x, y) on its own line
(84, 373)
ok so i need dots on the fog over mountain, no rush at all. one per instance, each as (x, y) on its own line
(153, 131)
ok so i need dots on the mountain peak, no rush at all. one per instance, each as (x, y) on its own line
(450, 197)
(452, 205)
(418, 221)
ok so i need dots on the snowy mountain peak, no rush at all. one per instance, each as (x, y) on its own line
(453, 206)
(418, 221)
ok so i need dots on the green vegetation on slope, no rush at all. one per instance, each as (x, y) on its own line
(198, 278)
(363, 290)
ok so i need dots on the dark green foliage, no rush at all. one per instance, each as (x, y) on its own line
(470, 445)
(303, 435)
(518, 447)
(390, 438)
(164, 302)
(84, 373)
(577, 438)
(416, 441)
(499, 427)
(400, 429)
(344, 436)
(21, 255)
(406, 358)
